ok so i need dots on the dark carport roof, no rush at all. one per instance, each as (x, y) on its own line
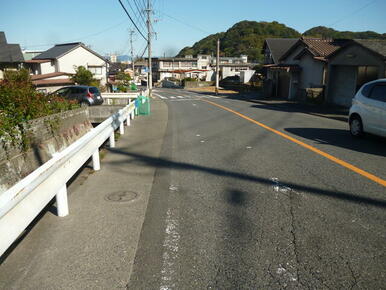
(9, 52)
(279, 46)
(376, 45)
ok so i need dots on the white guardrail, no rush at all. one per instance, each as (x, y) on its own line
(20, 204)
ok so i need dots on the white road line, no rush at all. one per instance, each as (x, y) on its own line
(180, 97)
(172, 97)
(170, 253)
(213, 97)
(162, 97)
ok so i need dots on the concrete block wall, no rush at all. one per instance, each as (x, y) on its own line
(45, 137)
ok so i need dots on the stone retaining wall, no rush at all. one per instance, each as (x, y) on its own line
(44, 136)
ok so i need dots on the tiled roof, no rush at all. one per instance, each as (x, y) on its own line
(50, 75)
(61, 49)
(376, 45)
(323, 47)
(9, 52)
(57, 51)
(279, 46)
(37, 60)
(53, 82)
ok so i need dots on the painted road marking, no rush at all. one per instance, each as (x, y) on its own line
(180, 97)
(172, 97)
(309, 147)
(162, 97)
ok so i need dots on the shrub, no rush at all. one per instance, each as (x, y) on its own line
(83, 77)
(20, 102)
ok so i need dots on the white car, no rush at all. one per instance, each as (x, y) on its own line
(368, 110)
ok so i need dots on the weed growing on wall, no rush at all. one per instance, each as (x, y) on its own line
(20, 103)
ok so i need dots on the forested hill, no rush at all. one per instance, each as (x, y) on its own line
(247, 37)
(325, 32)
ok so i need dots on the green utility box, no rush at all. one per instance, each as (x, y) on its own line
(133, 87)
(143, 104)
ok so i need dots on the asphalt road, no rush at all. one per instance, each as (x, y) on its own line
(236, 205)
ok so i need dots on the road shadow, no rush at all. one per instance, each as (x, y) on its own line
(166, 163)
(329, 112)
(341, 138)
(283, 105)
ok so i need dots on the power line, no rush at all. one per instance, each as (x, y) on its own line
(354, 12)
(139, 10)
(143, 24)
(135, 25)
(187, 24)
(80, 38)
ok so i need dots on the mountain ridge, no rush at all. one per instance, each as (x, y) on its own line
(247, 37)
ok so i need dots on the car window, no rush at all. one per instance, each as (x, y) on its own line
(62, 92)
(378, 93)
(94, 90)
(367, 89)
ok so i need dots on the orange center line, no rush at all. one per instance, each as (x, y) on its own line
(309, 147)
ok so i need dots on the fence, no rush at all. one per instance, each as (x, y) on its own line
(25, 200)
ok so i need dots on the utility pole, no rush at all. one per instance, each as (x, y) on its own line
(132, 52)
(150, 73)
(217, 66)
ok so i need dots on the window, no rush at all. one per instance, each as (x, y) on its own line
(367, 89)
(204, 67)
(378, 93)
(96, 70)
(62, 92)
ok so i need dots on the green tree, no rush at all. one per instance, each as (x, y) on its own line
(83, 77)
(124, 78)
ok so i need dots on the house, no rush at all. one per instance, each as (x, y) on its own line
(358, 62)
(276, 76)
(305, 65)
(181, 67)
(53, 68)
(11, 56)
(200, 67)
(332, 69)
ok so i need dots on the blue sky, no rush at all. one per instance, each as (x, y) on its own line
(102, 24)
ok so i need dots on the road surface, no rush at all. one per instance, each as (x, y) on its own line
(249, 195)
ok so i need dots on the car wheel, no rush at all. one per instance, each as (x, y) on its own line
(356, 126)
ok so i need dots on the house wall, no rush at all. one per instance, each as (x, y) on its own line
(311, 74)
(343, 73)
(82, 57)
(47, 67)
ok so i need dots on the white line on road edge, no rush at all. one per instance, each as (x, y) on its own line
(213, 97)
(170, 254)
(180, 97)
(162, 97)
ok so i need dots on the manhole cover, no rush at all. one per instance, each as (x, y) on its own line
(121, 196)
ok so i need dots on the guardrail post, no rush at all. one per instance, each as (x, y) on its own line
(112, 140)
(62, 201)
(121, 128)
(96, 164)
(128, 120)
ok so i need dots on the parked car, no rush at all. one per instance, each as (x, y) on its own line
(230, 82)
(368, 110)
(85, 95)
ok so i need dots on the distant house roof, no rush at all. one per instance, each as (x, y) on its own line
(9, 52)
(319, 48)
(61, 49)
(279, 46)
(376, 45)
(49, 75)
